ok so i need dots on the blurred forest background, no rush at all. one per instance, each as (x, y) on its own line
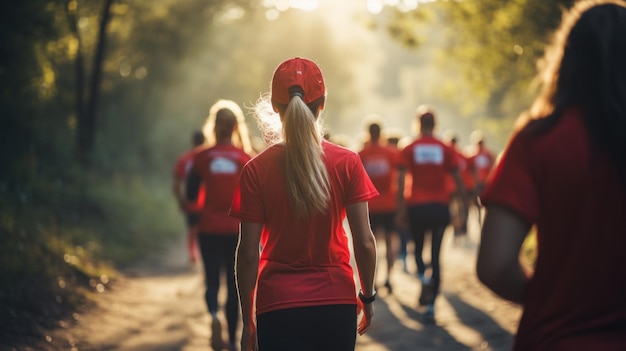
(99, 97)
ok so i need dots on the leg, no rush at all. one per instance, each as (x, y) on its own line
(390, 250)
(418, 231)
(437, 238)
(209, 248)
(440, 219)
(232, 301)
(404, 239)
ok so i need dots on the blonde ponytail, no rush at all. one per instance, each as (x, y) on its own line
(305, 173)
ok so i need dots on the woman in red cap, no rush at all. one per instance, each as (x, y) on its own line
(298, 291)
(564, 171)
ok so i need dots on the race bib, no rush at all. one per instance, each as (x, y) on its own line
(428, 154)
(220, 165)
(481, 161)
(377, 167)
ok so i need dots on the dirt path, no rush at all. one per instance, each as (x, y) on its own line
(158, 306)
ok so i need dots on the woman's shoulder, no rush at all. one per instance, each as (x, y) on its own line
(337, 151)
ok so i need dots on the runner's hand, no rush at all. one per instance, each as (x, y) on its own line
(366, 318)
(248, 338)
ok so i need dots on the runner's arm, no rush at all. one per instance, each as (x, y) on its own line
(192, 189)
(364, 246)
(456, 175)
(247, 267)
(498, 265)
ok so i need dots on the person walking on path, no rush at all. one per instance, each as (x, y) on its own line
(381, 164)
(564, 172)
(393, 140)
(217, 169)
(191, 210)
(481, 161)
(465, 166)
(298, 292)
(427, 160)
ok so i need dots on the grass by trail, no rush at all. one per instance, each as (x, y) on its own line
(62, 239)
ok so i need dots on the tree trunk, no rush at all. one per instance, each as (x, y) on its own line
(79, 72)
(87, 125)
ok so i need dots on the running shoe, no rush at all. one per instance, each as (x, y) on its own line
(429, 315)
(216, 334)
(427, 295)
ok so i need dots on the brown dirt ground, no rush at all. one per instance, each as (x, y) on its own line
(158, 306)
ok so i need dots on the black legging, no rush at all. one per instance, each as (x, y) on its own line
(315, 328)
(433, 217)
(218, 253)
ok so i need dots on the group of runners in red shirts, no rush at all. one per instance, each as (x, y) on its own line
(214, 168)
(274, 221)
(442, 181)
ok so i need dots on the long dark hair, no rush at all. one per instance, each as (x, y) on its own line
(586, 67)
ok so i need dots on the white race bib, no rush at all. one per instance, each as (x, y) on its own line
(428, 154)
(221, 165)
(481, 161)
(377, 167)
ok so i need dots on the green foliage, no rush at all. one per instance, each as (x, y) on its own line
(65, 229)
(498, 43)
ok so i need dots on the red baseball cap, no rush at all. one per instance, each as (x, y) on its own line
(297, 72)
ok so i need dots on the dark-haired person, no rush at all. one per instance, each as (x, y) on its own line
(217, 169)
(564, 171)
(428, 160)
(381, 164)
(191, 210)
(298, 292)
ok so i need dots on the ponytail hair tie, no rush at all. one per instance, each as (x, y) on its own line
(295, 94)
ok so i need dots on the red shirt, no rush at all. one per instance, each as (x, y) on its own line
(307, 262)
(381, 164)
(576, 299)
(463, 166)
(182, 167)
(219, 167)
(428, 160)
(483, 161)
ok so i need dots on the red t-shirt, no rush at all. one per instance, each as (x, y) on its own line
(182, 167)
(303, 263)
(482, 161)
(381, 164)
(219, 167)
(462, 162)
(428, 160)
(576, 298)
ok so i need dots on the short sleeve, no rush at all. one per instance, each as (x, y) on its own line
(360, 187)
(451, 160)
(514, 182)
(405, 157)
(247, 204)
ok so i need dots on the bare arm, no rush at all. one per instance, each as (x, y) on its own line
(400, 201)
(365, 255)
(461, 189)
(246, 271)
(498, 264)
(247, 266)
(192, 189)
(177, 190)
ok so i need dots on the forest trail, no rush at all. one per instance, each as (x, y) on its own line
(158, 305)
